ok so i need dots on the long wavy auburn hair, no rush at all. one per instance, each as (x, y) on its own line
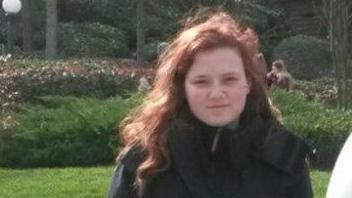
(165, 105)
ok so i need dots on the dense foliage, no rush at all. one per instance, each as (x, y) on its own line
(306, 57)
(91, 40)
(116, 21)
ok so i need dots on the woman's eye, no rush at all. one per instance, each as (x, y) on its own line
(230, 79)
(200, 82)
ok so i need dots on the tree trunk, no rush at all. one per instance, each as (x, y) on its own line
(140, 32)
(349, 83)
(341, 41)
(51, 29)
(27, 27)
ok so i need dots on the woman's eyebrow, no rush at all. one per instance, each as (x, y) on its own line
(230, 74)
(223, 74)
(200, 76)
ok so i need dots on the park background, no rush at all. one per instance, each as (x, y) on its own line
(72, 71)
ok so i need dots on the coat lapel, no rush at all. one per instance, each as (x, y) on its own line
(272, 143)
(285, 151)
(182, 144)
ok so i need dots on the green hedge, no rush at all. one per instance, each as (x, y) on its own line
(326, 128)
(306, 57)
(100, 85)
(31, 78)
(64, 131)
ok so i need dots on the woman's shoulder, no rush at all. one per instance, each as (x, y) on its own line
(284, 75)
(131, 157)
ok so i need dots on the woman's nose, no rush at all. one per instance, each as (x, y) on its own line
(216, 92)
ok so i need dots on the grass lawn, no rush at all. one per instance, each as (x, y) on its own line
(320, 180)
(54, 183)
(83, 182)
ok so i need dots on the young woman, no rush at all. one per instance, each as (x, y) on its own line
(206, 129)
(279, 76)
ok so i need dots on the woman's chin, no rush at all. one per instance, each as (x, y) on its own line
(217, 122)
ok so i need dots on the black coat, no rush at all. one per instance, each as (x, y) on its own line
(264, 161)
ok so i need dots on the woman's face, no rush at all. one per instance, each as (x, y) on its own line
(274, 69)
(216, 86)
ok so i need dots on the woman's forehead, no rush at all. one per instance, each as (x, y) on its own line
(222, 61)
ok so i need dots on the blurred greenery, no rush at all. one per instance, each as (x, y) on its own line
(91, 40)
(80, 21)
(64, 131)
(325, 128)
(306, 57)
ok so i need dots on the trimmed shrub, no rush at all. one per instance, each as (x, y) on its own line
(326, 128)
(100, 85)
(64, 131)
(322, 90)
(306, 57)
(91, 39)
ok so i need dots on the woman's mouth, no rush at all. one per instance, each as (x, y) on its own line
(217, 106)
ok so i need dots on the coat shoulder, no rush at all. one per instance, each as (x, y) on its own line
(131, 157)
